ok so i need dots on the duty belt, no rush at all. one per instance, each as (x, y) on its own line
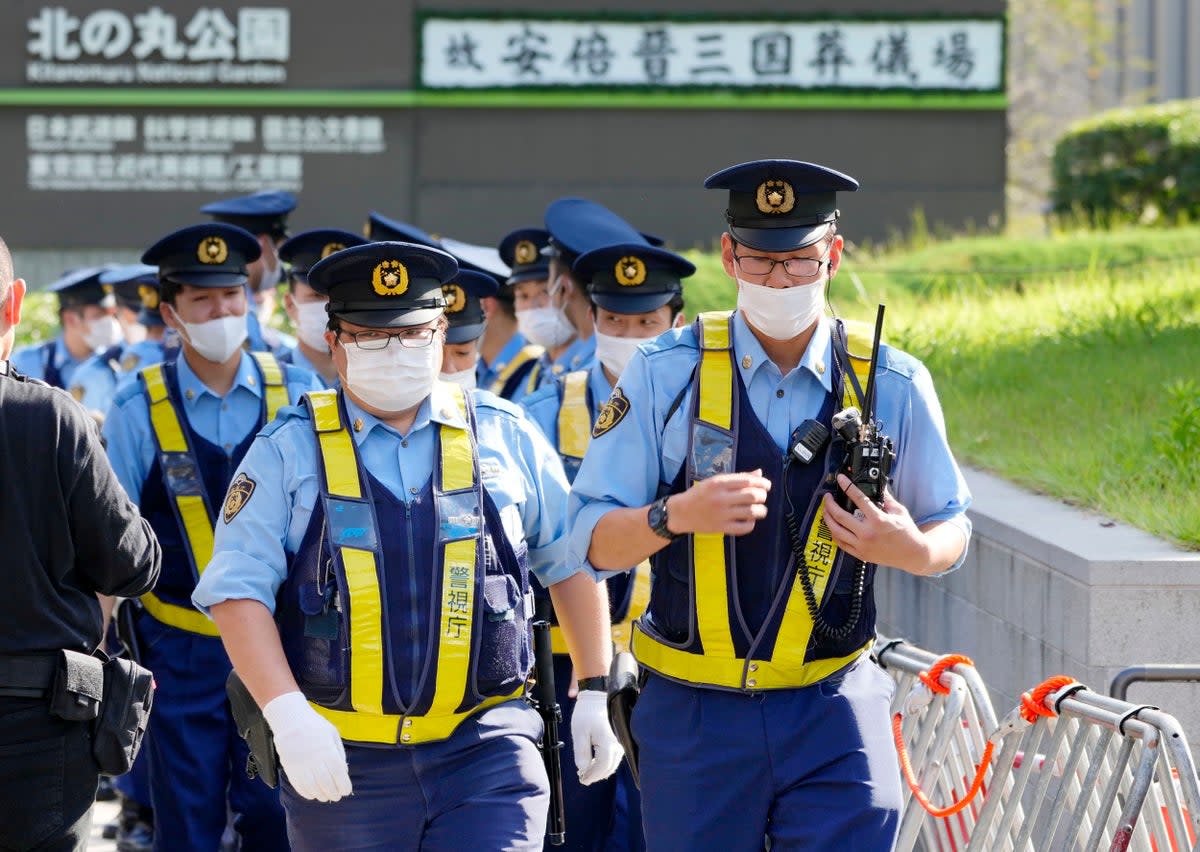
(27, 676)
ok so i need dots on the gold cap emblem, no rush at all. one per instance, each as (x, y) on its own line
(775, 196)
(390, 278)
(212, 250)
(330, 248)
(149, 296)
(630, 271)
(525, 252)
(456, 299)
(107, 289)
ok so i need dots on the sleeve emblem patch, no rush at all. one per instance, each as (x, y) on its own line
(611, 413)
(238, 496)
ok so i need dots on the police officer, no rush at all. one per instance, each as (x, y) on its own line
(466, 323)
(96, 380)
(506, 357)
(305, 306)
(758, 718)
(264, 214)
(175, 437)
(557, 314)
(389, 529)
(636, 294)
(70, 533)
(87, 310)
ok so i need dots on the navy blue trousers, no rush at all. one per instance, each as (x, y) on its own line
(197, 761)
(483, 788)
(811, 768)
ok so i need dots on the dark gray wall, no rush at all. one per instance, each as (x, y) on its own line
(477, 173)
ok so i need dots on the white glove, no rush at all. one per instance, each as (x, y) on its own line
(310, 748)
(598, 753)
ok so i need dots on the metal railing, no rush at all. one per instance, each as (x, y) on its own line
(1073, 771)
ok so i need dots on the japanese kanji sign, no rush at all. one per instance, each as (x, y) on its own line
(942, 54)
(246, 46)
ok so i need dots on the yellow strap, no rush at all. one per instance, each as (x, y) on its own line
(458, 454)
(574, 416)
(532, 384)
(455, 631)
(192, 510)
(528, 353)
(366, 630)
(711, 576)
(734, 674)
(385, 730)
(179, 617)
(860, 338)
(337, 447)
(273, 385)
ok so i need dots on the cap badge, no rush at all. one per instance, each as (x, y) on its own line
(212, 250)
(390, 278)
(455, 298)
(107, 289)
(630, 271)
(149, 296)
(525, 252)
(330, 248)
(775, 196)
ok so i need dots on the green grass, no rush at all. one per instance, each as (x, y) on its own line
(1082, 383)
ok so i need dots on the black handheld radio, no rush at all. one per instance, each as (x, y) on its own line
(869, 453)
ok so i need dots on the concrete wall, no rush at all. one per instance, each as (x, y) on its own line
(1049, 589)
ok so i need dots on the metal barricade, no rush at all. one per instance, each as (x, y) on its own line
(945, 744)
(1089, 772)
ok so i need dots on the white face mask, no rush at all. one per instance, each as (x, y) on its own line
(781, 314)
(102, 333)
(465, 379)
(215, 340)
(394, 378)
(311, 320)
(270, 265)
(614, 352)
(545, 326)
(133, 332)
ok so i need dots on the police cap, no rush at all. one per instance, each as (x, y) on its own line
(211, 255)
(80, 287)
(383, 228)
(780, 205)
(464, 311)
(579, 225)
(632, 278)
(141, 280)
(259, 213)
(305, 249)
(384, 284)
(524, 251)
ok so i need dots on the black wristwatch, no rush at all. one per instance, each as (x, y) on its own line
(597, 684)
(656, 517)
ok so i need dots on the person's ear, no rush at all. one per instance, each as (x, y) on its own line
(680, 320)
(12, 305)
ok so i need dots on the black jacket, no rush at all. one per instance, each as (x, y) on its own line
(67, 529)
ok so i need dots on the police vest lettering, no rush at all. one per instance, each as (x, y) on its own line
(344, 639)
(708, 656)
(186, 491)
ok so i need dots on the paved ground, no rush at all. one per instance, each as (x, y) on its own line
(102, 815)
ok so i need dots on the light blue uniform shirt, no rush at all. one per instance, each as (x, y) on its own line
(926, 478)
(295, 355)
(222, 420)
(543, 405)
(577, 356)
(31, 361)
(486, 373)
(96, 381)
(519, 469)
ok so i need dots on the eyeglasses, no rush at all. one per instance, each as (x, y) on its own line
(796, 267)
(409, 338)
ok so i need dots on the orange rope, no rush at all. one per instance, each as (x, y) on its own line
(1032, 706)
